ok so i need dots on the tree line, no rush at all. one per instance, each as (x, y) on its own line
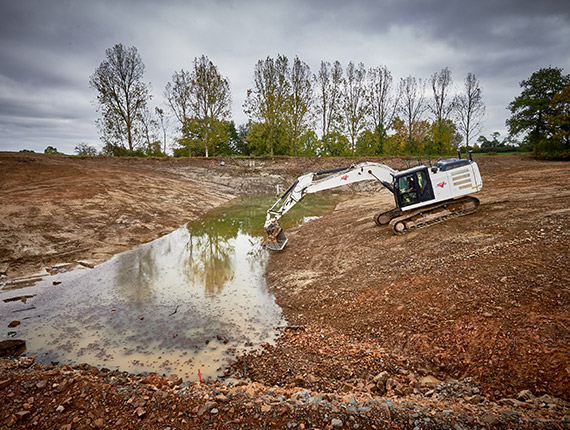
(336, 111)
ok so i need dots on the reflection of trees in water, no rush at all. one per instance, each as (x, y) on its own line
(136, 274)
(210, 249)
(209, 262)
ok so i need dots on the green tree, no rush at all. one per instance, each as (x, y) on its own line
(267, 105)
(335, 144)
(558, 125)
(51, 150)
(443, 137)
(210, 101)
(367, 144)
(192, 142)
(309, 144)
(532, 109)
(122, 97)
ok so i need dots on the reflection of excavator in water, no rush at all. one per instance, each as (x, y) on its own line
(423, 195)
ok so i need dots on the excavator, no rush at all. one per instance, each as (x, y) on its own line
(424, 195)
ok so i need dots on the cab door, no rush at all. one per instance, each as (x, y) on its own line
(413, 188)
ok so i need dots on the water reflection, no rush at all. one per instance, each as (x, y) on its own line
(189, 300)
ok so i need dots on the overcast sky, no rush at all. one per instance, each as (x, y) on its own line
(49, 49)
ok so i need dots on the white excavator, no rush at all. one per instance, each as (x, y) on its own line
(424, 195)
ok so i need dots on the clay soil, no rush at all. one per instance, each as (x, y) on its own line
(461, 325)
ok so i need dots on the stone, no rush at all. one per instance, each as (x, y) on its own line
(207, 407)
(174, 379)
(381, 378)
(154, 379)
(12, 347)
(391, 384)
(14, 324)
(336, 422)
(525, 395)
(490, 419)
(25, 362)
(140, 412)
(99, 423)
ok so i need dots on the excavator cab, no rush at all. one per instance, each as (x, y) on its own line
(412, 187)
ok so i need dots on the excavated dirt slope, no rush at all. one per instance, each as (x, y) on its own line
(460, 325)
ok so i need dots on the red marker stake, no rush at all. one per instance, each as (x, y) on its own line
(200, 375)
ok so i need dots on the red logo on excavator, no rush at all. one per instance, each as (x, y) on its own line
(344, 177)
(441, 184)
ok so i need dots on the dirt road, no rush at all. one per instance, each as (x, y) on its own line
(468, 319)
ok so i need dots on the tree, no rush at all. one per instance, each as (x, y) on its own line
(412, 107)
(354, 101)
(163, 124)
(300, 103)
(121, 95)
(470, 109)
(381, 102)
(210, 100)
(367, 144)
(177, 93)
(329, 81)
(558, 124)
(266, 103)
(443, 137)
(441, 84)
(533, 106)
(51, 150)
(84, 150)
(192, 141)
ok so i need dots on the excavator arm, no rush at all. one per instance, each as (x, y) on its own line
(320, 181)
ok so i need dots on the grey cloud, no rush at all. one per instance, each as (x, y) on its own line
(48, 50)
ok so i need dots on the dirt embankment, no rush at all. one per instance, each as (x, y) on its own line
(464, 324)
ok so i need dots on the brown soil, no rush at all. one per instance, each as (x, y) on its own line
(464, 324)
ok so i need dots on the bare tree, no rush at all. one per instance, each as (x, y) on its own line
(300, 102)
(177, 93)
(329, 81)
(412, 106)
(122, 96)
(354, 101)
(441, 106)
(470, 109)
(383, 106)
(210, 100)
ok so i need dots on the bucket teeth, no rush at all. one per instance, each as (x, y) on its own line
(276, 239)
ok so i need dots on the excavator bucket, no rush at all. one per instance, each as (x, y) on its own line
(276, 239)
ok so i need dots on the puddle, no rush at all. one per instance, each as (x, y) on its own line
(190, 300)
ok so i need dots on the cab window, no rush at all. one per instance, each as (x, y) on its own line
(408, 189)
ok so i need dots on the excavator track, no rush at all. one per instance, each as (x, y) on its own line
(384, 218)
(427, 216)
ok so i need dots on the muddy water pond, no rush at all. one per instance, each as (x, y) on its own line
(191, 300)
